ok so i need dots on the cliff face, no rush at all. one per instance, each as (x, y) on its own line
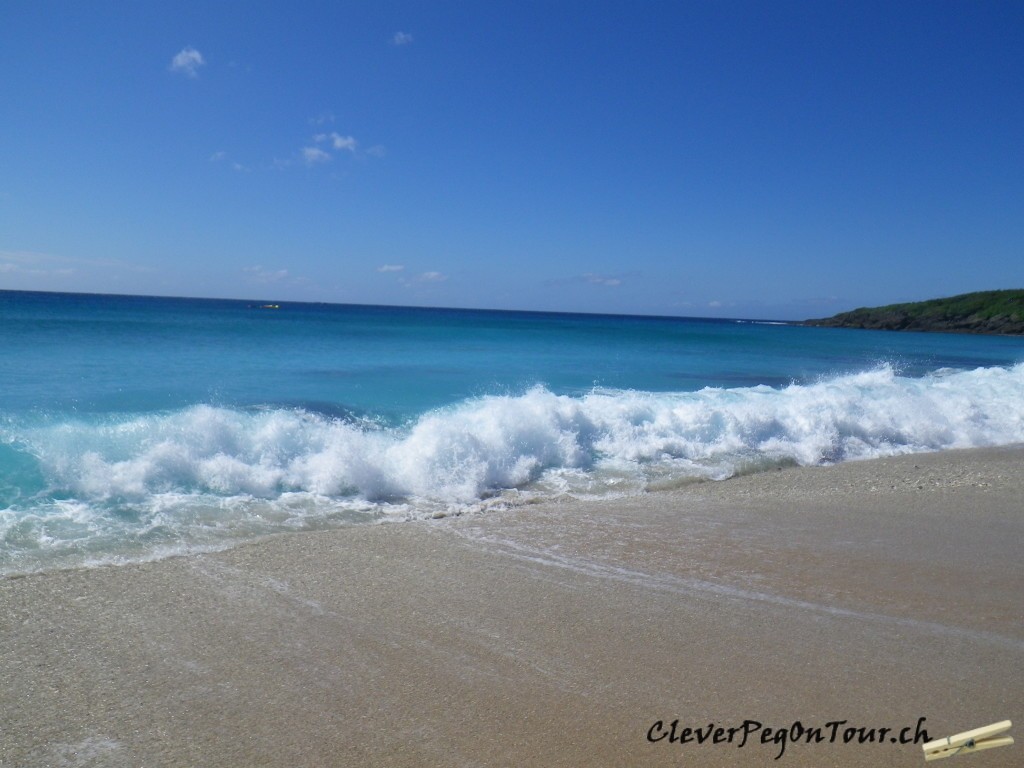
(999, 312)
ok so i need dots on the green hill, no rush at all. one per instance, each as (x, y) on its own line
(982, 312)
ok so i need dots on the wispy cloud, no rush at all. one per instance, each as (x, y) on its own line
(48, 265)
(221, 156)
(593, 278)
(321, 148)
(605, 280)
(7, 267)
(314, 155)
(187, 62)
(431, 277)
(422, 280)
(390, 268)
(336, 140)
(401, 38)
(326, 144)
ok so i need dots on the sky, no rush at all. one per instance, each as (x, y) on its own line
(777, 160)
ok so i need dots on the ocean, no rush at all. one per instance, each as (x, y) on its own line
(135, 428)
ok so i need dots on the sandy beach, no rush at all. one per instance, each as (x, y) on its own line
(558, 634)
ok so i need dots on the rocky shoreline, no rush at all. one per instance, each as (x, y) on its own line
(989, 312)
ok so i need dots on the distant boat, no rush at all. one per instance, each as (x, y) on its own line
(270, 306)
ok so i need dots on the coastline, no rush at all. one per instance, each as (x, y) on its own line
(999, 313)
(876, 592)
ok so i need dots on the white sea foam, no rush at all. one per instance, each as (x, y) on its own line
(225, 472)
(464, 452)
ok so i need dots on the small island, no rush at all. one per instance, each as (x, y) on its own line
(996, 312)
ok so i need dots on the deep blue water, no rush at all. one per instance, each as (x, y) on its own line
(139, 426)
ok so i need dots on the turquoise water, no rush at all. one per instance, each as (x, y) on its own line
(135, 427)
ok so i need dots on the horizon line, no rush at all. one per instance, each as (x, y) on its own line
(404, 306)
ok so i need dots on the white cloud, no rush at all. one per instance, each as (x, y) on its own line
(8, 268)
(222, 156)
(390, 268)
(30, 263)
(321, 148)
(401, 38)
(187, 61)
(343, 142)
(337, 140)
(314, 155)
(432, 277)
(593, 279)
(715, 304)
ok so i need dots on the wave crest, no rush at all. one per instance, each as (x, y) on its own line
(204, 475)
(483, 445)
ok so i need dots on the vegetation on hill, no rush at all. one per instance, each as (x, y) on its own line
(982, 312)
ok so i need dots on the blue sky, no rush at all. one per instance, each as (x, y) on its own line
(771, 159)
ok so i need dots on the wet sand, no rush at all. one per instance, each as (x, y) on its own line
(557, 634)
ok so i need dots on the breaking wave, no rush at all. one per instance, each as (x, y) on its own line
(204, 475)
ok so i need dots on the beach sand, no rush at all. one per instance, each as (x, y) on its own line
(557, 634)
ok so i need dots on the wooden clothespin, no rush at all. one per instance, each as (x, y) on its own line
(968, 741)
